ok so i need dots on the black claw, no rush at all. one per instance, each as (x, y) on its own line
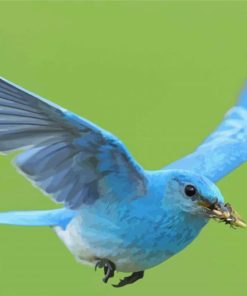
(109, 268)
(105, 270)
(98, 265)
(135, 276)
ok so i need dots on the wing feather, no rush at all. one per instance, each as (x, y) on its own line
(65, 155)
(224, 150)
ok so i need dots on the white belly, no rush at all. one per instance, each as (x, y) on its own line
(75, 242)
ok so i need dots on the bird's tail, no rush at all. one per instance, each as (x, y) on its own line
(58, 217)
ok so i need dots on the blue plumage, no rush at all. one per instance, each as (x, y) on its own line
(59, 217)
(63, 149)
(224, 150)
(116, 215)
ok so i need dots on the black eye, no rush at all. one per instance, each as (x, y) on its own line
(190, 190)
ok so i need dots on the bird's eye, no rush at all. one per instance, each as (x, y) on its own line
(190, 190)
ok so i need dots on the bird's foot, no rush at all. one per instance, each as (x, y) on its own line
(109, 268)
(135, 276)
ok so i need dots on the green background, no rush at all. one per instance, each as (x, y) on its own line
(159, 75)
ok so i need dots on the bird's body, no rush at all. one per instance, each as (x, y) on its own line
(135, 236)
(116, 215)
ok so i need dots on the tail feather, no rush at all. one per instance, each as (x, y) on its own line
(58, 217)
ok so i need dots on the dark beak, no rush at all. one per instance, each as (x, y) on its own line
(222, 212)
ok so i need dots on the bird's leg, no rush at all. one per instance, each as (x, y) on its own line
(135, 276)
(109, 268)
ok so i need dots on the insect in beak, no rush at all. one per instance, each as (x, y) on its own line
(222, 212)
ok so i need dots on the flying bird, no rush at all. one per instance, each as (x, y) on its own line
(116, 215)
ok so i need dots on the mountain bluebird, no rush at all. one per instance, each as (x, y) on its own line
(116, 215)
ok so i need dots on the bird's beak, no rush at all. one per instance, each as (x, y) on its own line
(222, 212)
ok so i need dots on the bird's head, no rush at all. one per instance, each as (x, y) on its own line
(197, 195)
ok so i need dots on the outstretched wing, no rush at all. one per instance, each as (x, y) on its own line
(65, 155)
(224, 150)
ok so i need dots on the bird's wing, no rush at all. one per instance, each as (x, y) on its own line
(224, 150)
(65, 155)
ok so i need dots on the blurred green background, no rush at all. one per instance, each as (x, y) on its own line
(160, 75)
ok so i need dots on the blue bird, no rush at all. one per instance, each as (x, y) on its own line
(116, 215)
